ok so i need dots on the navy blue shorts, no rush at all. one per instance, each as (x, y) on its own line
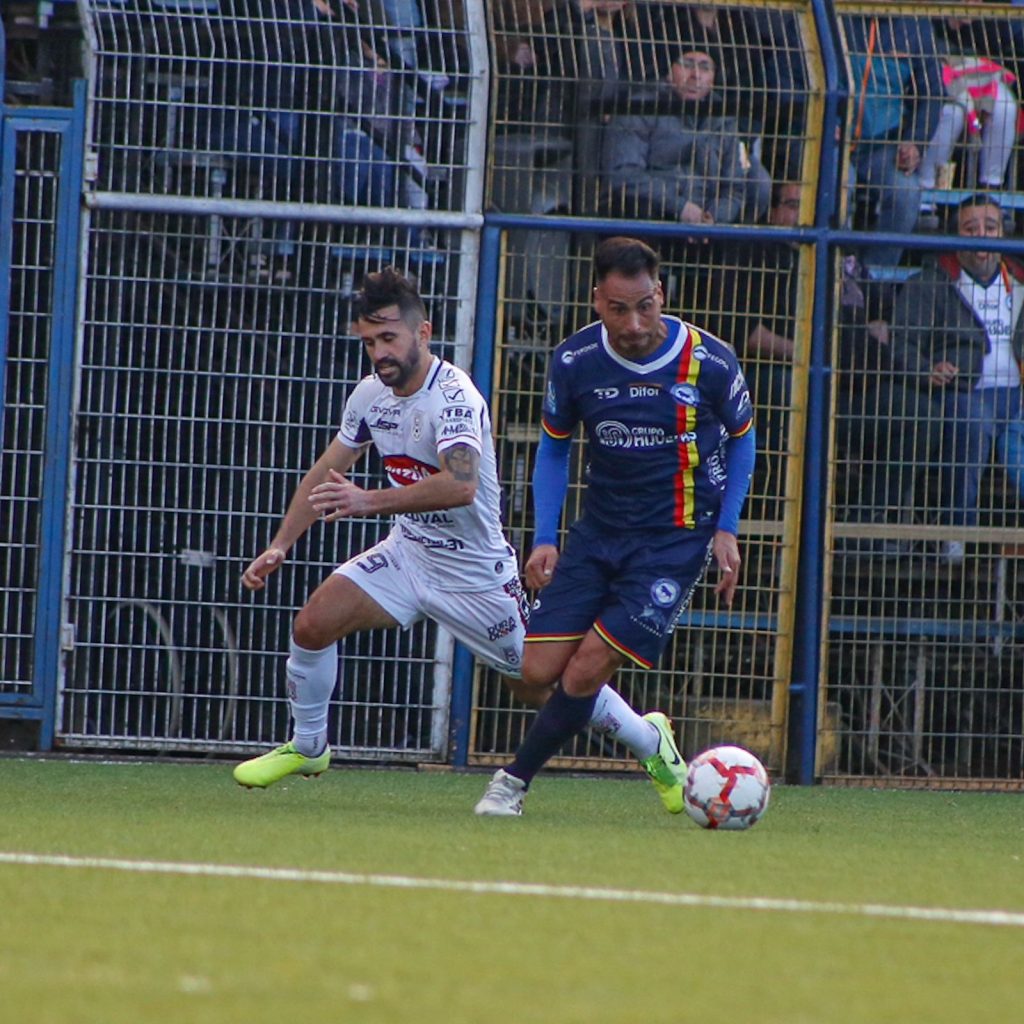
(630, 588)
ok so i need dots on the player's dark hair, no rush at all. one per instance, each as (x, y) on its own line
(385, 288)
(626, 256)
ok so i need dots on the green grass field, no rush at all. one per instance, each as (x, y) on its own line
(134, 942)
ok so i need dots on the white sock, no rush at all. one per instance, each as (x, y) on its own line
(614, 717)
(311, 679)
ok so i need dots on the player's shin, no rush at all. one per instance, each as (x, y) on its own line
(561, 718)
(311, 679)
(615, 718)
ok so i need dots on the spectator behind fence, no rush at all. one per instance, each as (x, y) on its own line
(885, 425)
(984, 100)
(897, 89)
(587, 55)
(376, 145)
(679, 156)
(959, 332)
(756, 295)
(263, 96)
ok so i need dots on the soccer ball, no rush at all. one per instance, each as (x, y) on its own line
(726, 787)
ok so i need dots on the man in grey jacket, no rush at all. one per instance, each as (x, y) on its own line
(959, 332)
(679, 157)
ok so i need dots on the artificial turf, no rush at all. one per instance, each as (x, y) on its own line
(93, 944)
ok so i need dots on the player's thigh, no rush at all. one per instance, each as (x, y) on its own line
(335, 609)
(491, 623)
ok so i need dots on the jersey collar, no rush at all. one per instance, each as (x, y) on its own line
(670, 348)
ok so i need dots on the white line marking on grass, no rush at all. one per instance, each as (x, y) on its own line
(944, 915)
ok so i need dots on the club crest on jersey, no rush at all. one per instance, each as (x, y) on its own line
(685, 394)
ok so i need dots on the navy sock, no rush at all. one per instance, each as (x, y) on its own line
(561, 718)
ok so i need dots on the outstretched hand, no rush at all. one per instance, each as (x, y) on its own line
(255, 576)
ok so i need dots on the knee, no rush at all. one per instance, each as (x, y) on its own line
(308, 634)
(531, 693)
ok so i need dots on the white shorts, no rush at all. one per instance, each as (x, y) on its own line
(491, 623)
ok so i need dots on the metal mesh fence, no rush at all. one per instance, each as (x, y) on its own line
(924, 658)
(252, 161)
(36, 156)
(217, 354)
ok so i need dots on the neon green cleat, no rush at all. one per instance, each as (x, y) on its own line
(284, 760)
(666, 768)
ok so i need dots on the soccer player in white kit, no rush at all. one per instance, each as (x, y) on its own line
(445, 557)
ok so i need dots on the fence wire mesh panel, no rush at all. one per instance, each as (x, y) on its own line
(923, 668)
(36, 158)
(217, 356)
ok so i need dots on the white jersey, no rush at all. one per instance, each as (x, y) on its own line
(458, 548)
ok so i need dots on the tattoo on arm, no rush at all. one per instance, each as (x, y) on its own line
(463, 462)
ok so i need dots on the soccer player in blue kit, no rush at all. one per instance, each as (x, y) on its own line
(669, 426)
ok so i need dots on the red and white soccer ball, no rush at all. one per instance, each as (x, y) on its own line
(726, 788)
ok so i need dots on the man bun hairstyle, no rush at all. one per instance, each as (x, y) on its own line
(387, 287)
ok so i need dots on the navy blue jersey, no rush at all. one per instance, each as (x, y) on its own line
(656, 429)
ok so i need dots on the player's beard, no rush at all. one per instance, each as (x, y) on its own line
(397, 372)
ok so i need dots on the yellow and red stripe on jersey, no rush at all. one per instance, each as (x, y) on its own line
(558, 435)
(686, 424)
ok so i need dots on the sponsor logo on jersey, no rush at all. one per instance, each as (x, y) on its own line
(429, 518)
(433, 543)
(604, 394)
(514, 589)
(643, 391)
(457, 412)
(404, 470)
(570, 356)
(700, 353)
(738, 385)
(685, 394)
(460, 429)
(550, 402)
(381, 423)
(715, 469)
(612, 434)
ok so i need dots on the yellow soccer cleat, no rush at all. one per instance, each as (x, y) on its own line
(265, 770)
(666, 767)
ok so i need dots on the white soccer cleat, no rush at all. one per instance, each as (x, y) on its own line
(503, 797)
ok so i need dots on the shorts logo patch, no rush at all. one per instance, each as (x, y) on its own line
(500, 629)
(665, 592)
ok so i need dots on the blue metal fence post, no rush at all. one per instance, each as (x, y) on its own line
(59, 411)
(810, 590)
(482, 372)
